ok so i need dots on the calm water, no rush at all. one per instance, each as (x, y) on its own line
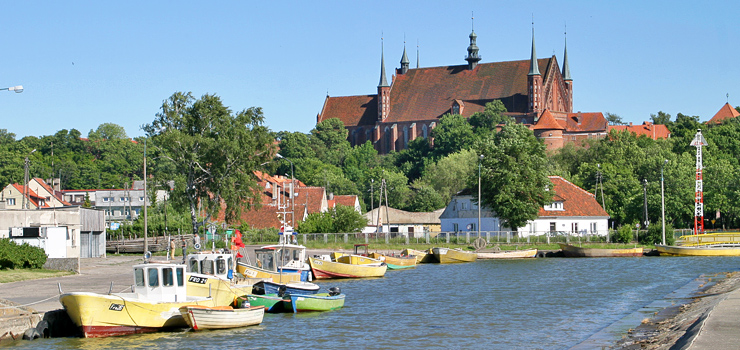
(550, 303)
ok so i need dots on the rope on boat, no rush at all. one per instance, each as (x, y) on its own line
(35, 302)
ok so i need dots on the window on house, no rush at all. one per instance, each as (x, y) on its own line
(141, 199)
(107, 212)
(574, 227)
(454, 227)
(552, 227)
(105, 199)
(125, 199)
(11, 201)
(455, 109)
(463, 206)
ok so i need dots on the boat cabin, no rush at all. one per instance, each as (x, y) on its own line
(362, 249)
(160, 282)
(283, 256)
(209, 263)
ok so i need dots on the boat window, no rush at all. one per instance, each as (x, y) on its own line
(231, 263)
(180, 279)
(139, 277)
(167, 278)
(221, 266)
(266, 261)
(193, 266)
(297, 255)
(206, 267)
(153, 277)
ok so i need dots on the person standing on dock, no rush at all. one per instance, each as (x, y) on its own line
(172, 249)
(184, 249)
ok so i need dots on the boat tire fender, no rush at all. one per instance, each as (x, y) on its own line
(282, 290)
(334, 291)
(31, 334)
(43, 329)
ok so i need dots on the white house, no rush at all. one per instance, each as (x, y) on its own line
(573, 211)
(402, 223)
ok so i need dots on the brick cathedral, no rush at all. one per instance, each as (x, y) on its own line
(536, 92)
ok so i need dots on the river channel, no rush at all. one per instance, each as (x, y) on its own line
(544, 303)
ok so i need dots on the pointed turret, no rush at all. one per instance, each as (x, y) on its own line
(404, 61)
(473, 57)
(384, 90)
(566, 68)
(534, 68)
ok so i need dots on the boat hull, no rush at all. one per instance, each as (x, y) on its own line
(290, 288)
(451, 256)
(99, 315)
(422, 257)
(357, 260)
(698, 250)
(316, 302)
(200, 317)
(395, 262)
(256, 272)
(271, 302)
(323, 269)
(578, 252)
(511, 254)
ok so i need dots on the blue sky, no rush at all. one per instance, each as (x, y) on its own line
(87, 63)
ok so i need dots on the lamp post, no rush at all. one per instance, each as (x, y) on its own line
(662, 199)
(24, 205)
(292, 202)
(480, 160)
(18, 89)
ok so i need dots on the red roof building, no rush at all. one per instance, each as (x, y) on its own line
(724, 113)
(648, 129)
(413, 103)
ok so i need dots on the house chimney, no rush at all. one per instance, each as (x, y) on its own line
(331, 196)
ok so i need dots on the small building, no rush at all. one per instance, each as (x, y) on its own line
(648, 129)
(573, 211)
(119, 205)
(402, 223)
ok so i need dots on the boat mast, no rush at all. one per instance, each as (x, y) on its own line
(698, 142)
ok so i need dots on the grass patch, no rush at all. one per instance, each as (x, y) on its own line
(16, 275)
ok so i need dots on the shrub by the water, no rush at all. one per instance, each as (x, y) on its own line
(14, 256)
(623, 234)
(655, 234)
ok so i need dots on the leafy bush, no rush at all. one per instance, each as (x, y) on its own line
(655, 234)
(623, 234)
(14, 256)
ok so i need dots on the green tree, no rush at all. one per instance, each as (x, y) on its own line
(215, 150)
(340, 219)
(425, 199)
(614, 119)
(660, 118)
(108, 131)
(453, 134)
(450, 174)
(514, 175)
(492, 115)
(86, 203)
(329, 140)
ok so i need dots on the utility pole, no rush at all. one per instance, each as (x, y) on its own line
(644, 204)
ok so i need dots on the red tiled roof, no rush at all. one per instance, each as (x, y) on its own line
(51, 191)
(576, 201)
(724, 113)
(311, 197)
(346, 200)
(586, 122)
(32, 196)
(427, 93)
(648, 129)
(547, 122)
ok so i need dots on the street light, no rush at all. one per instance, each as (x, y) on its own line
(26, 200)
(662, 199)
(480, 160)
(292, 202)
(18, 89)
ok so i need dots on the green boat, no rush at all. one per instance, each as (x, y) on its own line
(272, 302)
(316, 302)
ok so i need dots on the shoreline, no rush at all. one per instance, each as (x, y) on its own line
(676, 327)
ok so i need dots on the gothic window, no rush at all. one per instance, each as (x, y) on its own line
(424, 130)
(388, 139)
(405, 137)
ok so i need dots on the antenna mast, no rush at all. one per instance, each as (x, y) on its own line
(698, 142)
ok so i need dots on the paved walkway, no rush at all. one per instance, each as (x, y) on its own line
(96, 275)
(721, 329)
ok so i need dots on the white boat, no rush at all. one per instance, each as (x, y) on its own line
(509, 254)
(221, 317)
(211, 274)
(282, 263)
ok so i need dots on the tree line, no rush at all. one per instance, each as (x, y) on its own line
(210, 152)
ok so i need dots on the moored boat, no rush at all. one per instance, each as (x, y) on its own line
(267, 287)
(211, 274)
(422, 257)
(317, 302)
(159, 292)
(221, 317)
(450, 256)
(324, 269)
(580, 252)
(282, 263)
(699, 250)
(508, 254)
(395, 262)
(273, 303)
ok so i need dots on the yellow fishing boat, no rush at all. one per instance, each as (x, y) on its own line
(395, 262)
(324, 269)
(282, 263)
(422, 257)
(211, 274)
(699, 250)
(159, 292)
(709, 238)
(449, 256)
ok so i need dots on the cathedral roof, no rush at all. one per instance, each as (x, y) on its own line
(726, 112)
(427, 93)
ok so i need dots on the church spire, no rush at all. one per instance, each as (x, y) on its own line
(534, 68)
(383, 81)
(473, 57)
(404, 60)
(417, 53)
(566, 67)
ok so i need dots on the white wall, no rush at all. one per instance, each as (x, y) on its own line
(565, 224)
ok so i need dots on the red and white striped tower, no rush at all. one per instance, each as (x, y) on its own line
(698, 142)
